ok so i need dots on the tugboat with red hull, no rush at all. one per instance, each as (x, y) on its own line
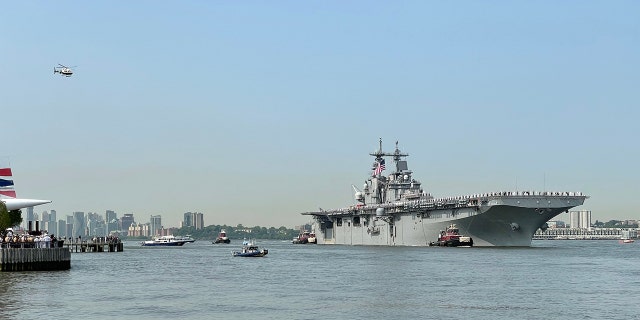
(452, 238)
(222, 237)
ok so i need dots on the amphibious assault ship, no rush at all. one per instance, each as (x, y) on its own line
(394, 210)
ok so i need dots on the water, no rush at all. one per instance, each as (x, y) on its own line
(551, 280)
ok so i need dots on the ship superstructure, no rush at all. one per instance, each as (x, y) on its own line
(395, 210)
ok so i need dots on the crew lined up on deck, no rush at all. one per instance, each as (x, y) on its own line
(460, 200)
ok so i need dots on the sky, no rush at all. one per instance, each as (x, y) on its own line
(252, 112)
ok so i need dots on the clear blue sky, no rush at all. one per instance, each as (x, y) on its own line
(254, 111)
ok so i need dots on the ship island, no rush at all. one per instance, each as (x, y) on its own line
(394, 210)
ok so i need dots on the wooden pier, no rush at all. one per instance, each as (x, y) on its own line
(90, 246)
(34, 259)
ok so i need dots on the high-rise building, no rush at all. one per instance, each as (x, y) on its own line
(193, 219)
(111, 221)
(30, 215)
(199, 220)
(187, 221)
(62, 229)
(580, 219)
(155, 223)
(79, 224)
(53, 222)
(44, 219)
(110, 215)
(126, 222)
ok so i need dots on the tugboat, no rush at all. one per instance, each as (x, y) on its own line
(312, 238)
(249, 249)
(222, 237)
(452, 238)
(303, 237)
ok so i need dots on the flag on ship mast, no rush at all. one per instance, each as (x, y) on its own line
(379, 168)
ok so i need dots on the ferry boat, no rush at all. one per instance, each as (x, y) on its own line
(168, 241)
(395, 210)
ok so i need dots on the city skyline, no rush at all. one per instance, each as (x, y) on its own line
(577, 218)
(255, 112)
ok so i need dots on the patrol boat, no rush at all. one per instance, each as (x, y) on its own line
(394, 210)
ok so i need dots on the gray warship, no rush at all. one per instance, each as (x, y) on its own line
(394, 210)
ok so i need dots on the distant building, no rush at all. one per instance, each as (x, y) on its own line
(187, 220)
(79, 224)
(580, 219)
(193, 219)
(111, 221)
(139, 230)
(30, 215)
(44, 221)
(96, 227)
(156, 224)
(53, 222)
(61, 232)
(126, 222)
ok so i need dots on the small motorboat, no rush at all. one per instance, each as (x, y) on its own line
(452, 238)
(249, 249)
(222, 237)
(627, 237)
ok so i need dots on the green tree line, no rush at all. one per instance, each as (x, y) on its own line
(239, 232)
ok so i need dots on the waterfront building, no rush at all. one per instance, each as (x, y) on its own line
(584, 234)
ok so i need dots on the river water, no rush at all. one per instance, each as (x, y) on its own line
(561, 279)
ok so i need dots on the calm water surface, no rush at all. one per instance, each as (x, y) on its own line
(551, 280)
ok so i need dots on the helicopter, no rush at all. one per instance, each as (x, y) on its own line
(63, 70)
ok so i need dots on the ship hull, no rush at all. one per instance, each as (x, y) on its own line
(503, 221)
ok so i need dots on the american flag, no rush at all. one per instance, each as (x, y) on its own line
(379, 169)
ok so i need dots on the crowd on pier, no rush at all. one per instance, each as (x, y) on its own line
(10, 239)
(42, 239)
